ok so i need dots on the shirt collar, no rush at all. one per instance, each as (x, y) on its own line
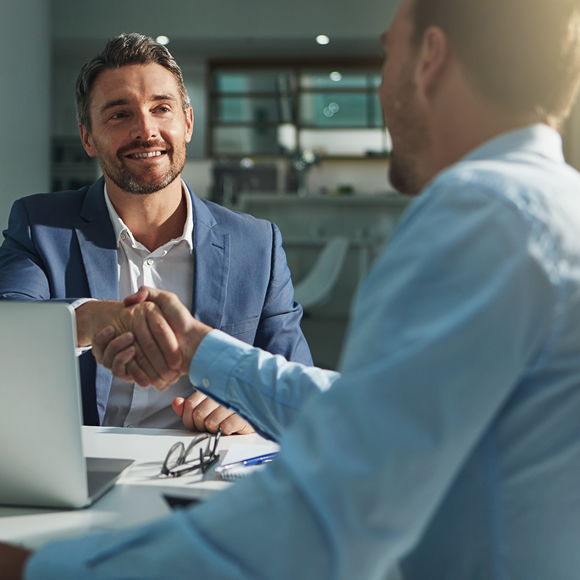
(120, 228)
(539, 139)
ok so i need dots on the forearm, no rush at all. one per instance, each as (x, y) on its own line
(266, 390)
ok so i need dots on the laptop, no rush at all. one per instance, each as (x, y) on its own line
(41, 449)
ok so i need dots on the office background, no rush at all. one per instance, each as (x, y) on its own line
(43, 44)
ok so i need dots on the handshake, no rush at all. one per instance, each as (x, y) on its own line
(150, 339)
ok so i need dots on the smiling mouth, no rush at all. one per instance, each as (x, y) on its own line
(146, 155)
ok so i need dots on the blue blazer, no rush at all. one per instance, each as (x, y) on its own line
(62, 246)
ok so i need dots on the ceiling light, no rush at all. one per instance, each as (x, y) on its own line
(322, 39)
(335, 76)
(162, 39)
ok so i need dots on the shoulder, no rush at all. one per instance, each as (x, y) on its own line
(238, 223)
(520, 180)
(53, 204)
(526, 201)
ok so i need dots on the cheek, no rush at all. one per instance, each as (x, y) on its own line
(386, 88)
(174, 130)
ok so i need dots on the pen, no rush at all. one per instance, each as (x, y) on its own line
(247, 462)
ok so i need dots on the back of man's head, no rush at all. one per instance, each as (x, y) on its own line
(523, 55)
(124, 50)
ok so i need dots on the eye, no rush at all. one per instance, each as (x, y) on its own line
(164, 109)
(119, 115)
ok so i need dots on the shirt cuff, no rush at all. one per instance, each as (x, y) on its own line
(214, 361)
(81, 349)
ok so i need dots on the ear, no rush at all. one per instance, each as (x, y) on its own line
(87, 141)
(433, 60)
(188, 124)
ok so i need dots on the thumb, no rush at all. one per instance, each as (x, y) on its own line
(140, 296)
(178, 405)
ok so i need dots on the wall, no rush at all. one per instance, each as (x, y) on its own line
(24, 100)
(221, 19)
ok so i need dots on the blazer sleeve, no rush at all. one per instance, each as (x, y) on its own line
(279, 329)
(23, 274)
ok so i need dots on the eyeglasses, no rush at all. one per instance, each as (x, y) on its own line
(181, 460)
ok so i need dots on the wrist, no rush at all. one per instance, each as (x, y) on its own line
(192, 338)
(92, 317)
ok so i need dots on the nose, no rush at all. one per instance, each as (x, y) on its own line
(144, 127)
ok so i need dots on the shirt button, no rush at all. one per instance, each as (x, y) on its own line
(149, 261)
(205, 383)
(123, 237)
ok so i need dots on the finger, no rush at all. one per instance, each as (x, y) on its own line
(245, 430)
(137, 298)
(145, 339)
(196, 398)
(190, 331)
(141, 377)
(188, 407)
(230, 423)
(194, 416)
(193, 410)
(173, 310)
(143, 372)
(216, 418)
(117, 356)
(149, 356)
(119, 364)
(114, 347)
(178, 404)
(165, 338)
(100, 342)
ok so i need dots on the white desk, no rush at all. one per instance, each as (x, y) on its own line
(135, 499)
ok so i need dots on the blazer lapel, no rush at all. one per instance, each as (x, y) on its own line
(211, 254)
(98, 246)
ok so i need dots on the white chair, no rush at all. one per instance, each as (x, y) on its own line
(316, 287)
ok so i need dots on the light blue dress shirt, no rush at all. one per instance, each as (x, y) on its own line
(451, 440)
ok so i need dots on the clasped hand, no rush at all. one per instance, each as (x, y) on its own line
(151, 339)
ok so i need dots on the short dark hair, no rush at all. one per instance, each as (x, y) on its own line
(124, 50)
(523, 55)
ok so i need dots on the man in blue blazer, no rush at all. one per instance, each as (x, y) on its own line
(141, 224)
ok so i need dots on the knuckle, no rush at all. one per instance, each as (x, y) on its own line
(149, 345)
(189, 405)
(226, 428)
(199, 414)
(157, 326)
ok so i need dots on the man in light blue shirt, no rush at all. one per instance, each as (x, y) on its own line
(450, 439)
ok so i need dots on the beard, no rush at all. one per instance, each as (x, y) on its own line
(149, 182)
(409, 135)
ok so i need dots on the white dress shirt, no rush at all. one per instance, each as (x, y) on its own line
(169, 267)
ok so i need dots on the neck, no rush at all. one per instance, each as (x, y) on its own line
(461, 120)
(154, 218)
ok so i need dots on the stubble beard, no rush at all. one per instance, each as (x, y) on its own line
(410, 137)
(118, 172)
